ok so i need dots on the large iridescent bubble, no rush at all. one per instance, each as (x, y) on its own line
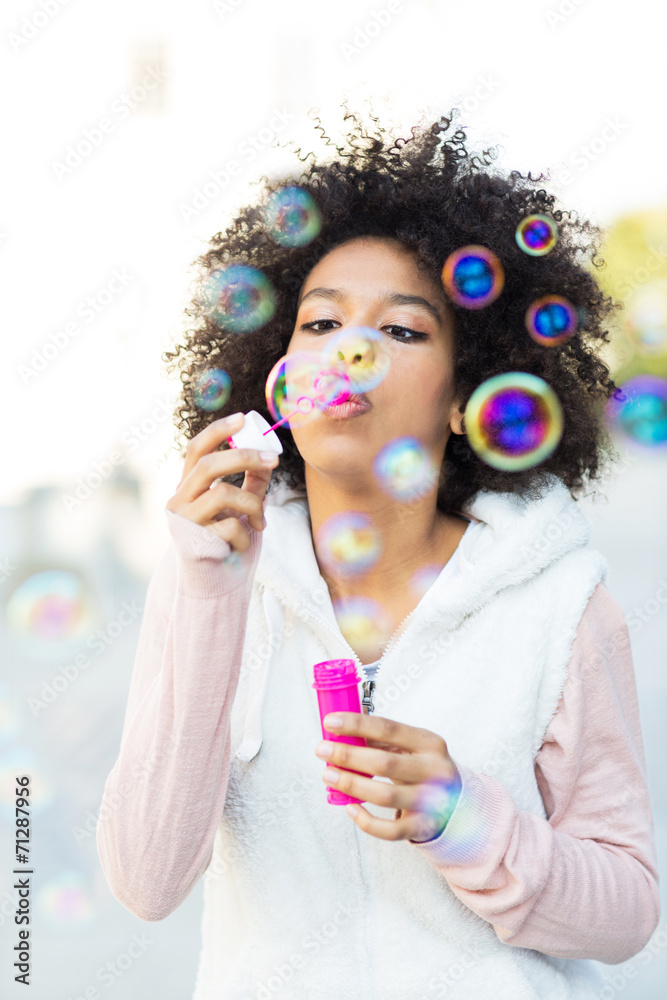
(292, 217)
(513, 421)
(473, 276)
(212, 389)
(348, 543)
(239, 298)
(551, 320)
(299, 386)
(639, 410)
(364, 623)
(404, 469)
(536, 235)
(361, 353)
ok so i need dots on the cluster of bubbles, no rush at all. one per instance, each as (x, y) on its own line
(639, 410)
(304, 383)
(292, 217)
(513, 421)
(299, 386)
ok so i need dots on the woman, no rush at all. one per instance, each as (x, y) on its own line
(505, 811)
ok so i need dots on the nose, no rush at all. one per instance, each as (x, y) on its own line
(356, 351)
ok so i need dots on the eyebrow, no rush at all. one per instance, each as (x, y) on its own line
(392, 298)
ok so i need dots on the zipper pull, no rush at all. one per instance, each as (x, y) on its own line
(367, 700)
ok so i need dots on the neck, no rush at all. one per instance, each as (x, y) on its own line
(412, 534)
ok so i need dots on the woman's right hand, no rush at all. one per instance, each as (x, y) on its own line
(219, 508)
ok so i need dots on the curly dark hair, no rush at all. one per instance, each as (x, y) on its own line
(428, 192)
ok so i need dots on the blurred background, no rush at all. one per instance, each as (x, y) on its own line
(119, 122)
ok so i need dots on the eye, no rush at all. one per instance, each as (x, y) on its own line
(414, 335)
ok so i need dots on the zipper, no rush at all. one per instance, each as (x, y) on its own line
(369, 685)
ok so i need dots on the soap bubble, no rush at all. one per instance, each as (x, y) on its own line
(404, 469)
(212, 389)
(361, 353)
(639, 410)
(348, 543)
(50, 605)
(551, 320)
(292, 217)
(66, 899)
(299, 386)
(473, 276)
(536, 235)
(513, 421)
(364, 623)
(647, 318)
(239, 298)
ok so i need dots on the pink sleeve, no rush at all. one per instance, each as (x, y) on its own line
(164, 797)
(584, 882)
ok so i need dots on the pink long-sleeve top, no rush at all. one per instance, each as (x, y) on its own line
(557, 885)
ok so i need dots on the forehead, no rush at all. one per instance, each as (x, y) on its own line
(360, 260)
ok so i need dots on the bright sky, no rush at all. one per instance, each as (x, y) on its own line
(581, 90)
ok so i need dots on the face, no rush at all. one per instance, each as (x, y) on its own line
(353, 285)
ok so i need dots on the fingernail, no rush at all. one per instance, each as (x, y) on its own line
(324, 749)
(268, 456)
(234, 416)
(332, 721)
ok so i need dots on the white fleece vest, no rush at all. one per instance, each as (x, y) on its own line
(299, 903)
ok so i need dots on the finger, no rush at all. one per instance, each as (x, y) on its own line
(213, 465)
(232, 531)
(210, 438)
(227, 500)
(257, 479)
(378, 728)
(403, 768)
(382, 793)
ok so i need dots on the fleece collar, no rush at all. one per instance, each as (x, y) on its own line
(515, 539)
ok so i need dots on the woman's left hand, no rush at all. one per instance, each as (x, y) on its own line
(425, 782)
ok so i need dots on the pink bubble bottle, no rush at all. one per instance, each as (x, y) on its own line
(336, 683)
